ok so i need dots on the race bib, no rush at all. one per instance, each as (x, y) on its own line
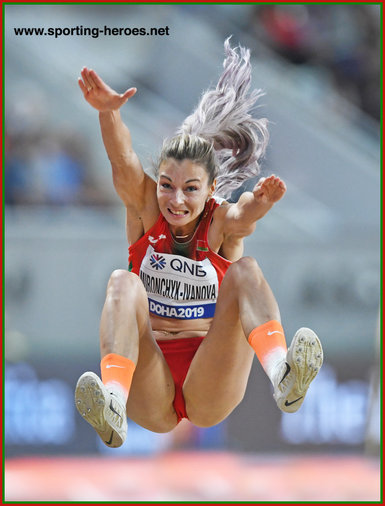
(178, 287)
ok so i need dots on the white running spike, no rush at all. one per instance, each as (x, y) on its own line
(105, 412)
(293, 380)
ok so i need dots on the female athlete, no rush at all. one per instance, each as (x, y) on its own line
(179, 328)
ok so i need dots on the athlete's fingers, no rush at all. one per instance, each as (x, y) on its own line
(82, 86)
(91, 80)
(97, 80)
(85, 76)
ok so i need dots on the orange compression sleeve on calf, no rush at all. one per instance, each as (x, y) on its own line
(267, 338)
(117, 369)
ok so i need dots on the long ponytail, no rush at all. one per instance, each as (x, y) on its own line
(224, 118)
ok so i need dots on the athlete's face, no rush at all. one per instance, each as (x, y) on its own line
(182, 191)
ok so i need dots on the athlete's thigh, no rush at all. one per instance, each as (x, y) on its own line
(150, 402)
(218, 375)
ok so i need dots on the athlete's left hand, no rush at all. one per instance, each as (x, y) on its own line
(269, 190)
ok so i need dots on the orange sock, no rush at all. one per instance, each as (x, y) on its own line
(269, 343)
(117, 372)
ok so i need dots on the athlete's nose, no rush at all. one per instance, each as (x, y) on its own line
(178, 197)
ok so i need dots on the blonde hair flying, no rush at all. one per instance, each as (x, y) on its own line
(224, 119)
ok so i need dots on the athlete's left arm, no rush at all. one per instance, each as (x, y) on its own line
(240, 218)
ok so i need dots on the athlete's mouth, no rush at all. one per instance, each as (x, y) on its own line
(177, 213)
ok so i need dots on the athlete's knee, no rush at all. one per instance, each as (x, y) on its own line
(247, 263)
(122, 282)
(244, 270)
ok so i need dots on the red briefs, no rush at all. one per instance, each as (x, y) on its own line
(179, 354)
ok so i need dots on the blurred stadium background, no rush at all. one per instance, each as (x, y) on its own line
(319, 65)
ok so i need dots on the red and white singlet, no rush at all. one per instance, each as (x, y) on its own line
(182, 280)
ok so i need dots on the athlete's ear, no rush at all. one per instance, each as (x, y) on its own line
(212, 188)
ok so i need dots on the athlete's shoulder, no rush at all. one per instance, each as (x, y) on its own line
(220, 207)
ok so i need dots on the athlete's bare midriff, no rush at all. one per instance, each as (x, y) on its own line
(170, 328)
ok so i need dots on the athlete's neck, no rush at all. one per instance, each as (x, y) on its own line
(185, 233)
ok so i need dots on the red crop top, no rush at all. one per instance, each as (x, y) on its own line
(182, 280)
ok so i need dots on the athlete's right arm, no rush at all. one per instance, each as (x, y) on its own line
(131, 183)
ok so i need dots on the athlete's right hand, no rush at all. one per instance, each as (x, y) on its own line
(99, 94)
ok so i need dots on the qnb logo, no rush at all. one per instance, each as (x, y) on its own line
(157, 261)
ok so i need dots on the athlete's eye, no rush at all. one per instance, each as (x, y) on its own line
(166, 186)
(191, 188)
